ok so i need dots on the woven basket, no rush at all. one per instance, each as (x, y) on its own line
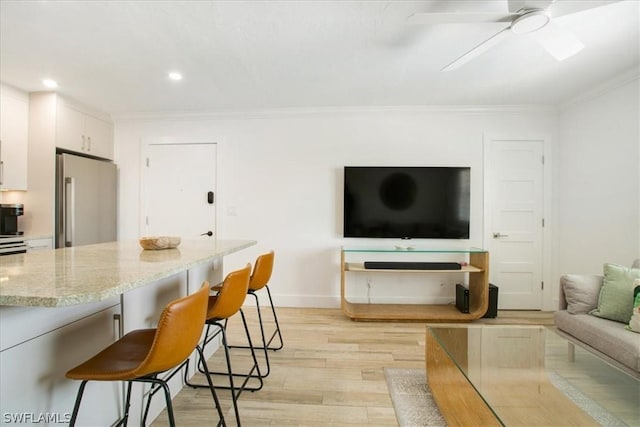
(159, 242)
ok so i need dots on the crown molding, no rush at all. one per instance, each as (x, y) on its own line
(325, 111)
(620, 80)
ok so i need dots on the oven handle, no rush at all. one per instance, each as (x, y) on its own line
(69, 211)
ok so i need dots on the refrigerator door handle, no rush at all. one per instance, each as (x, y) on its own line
(69, 211)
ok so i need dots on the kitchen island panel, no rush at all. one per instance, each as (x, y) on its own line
(34, 388)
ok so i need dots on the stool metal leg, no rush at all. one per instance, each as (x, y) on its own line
(167, 396)
(201, 360)
(127, 405)
(266, 343)
(76, 406)
(277, 332)
(212, 388)
(255, 368)
(202, 367)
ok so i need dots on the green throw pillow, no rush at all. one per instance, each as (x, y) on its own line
(634, 323)
(616, 295)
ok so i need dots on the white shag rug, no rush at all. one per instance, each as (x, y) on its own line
(412, 399)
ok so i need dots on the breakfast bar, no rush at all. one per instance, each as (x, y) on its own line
(59, 307)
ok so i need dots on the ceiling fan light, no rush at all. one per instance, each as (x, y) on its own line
(559, 42)
(530, 22)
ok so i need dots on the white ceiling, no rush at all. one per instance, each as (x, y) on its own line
(115, 55)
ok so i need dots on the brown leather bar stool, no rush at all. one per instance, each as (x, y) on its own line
(260, 277)
(141, 355)
(228, 301)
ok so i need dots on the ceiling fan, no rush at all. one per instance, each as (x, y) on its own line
(522, 17)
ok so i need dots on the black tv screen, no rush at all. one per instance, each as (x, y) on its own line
(406, 202)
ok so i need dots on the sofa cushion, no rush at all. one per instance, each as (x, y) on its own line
(616, 295)
(606, 336)
(581, 292)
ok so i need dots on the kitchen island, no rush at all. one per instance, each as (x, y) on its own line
(93, 273)
(59, 307)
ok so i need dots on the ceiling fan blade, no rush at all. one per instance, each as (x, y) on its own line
(479, 50)
(562, 8)
(559, 42)
(458, 18)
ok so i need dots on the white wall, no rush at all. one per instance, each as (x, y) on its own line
(598, 193)
(282, 172)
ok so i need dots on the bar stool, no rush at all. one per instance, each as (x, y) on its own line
(260, 277)
(227, 302)
(141, 355)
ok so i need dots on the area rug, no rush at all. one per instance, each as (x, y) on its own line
(588, 405)
(415, 407)
(412, 399)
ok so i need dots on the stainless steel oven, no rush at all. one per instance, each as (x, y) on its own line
(10, 245)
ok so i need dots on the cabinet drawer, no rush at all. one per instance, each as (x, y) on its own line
(20, 324)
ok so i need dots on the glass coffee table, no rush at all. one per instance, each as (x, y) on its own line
(493, 375)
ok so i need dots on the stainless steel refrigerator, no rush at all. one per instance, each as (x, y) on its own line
(85, 201)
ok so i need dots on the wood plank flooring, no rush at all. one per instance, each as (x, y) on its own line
(330, 371)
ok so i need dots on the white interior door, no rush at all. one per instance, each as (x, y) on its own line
(514, 202)
(179, 187)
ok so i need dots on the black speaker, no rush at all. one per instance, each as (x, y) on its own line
(492, 311)
(462, 300)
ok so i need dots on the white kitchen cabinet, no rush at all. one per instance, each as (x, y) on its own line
(83, 132)
(14, 129)
(34, 387)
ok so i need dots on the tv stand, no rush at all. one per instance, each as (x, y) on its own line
(477, 269)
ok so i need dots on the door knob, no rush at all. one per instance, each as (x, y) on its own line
(499, 235)
(208, 233)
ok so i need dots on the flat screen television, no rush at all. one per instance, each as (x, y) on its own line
(406, 202)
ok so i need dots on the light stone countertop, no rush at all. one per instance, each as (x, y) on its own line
(92, 273)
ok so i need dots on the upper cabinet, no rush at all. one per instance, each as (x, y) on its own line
(57, 122)
(83, 132)
(14, 128)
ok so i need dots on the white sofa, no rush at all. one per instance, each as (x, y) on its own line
(609, 339)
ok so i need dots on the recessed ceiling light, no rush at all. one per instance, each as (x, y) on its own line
(51, 84)
(175, 76)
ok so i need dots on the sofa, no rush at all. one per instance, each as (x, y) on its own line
(583, 318)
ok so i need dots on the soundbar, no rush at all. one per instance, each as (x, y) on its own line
(411, 265)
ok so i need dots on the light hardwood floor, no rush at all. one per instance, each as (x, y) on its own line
(330, 371)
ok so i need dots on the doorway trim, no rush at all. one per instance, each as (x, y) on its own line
(550, 289)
